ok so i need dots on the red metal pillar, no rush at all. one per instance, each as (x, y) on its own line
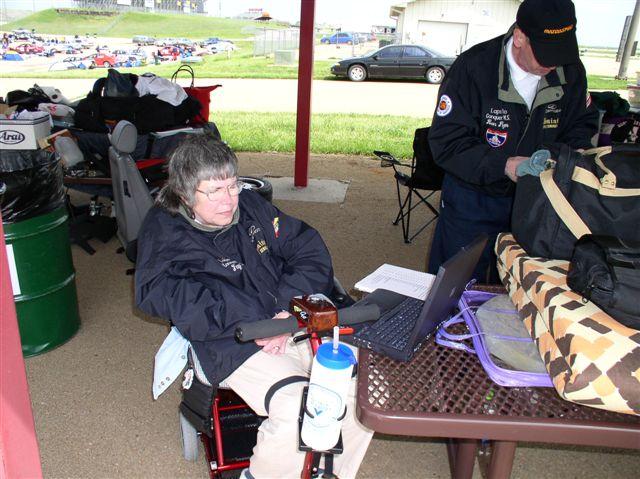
(305, 78)
(19, 453)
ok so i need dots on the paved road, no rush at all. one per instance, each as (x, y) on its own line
(416, 99)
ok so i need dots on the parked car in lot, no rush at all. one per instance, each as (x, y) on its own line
(169, 52)
(185, 43)
(27, 48)
(129, 57)
(69, 49)
(362, 37)
(22, 34)
(222, 46)
(340, 37)
(71, 63)
(105, 60)
(209, 41)
(163, 42)
(396, 61)
(141, 40)
(82, 42)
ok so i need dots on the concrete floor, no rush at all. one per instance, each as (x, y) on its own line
(94, 414)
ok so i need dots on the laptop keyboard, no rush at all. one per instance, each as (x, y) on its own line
(394, 329)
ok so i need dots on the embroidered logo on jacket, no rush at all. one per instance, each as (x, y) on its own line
(498, 118)
(276, 226)
(231, 263)
(445, 106)
(496, 138)
(262, 247)
(551, 116)
(552, 108)
(253, 231)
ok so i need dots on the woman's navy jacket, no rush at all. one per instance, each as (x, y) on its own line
(205, 283)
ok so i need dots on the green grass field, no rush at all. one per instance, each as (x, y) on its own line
(241, 64)
(126, 25)
(330, 133)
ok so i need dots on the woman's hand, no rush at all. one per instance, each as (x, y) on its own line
(274, 345)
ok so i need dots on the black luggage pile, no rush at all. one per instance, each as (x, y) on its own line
(115, 98)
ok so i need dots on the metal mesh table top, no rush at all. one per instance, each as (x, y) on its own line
(440, 380)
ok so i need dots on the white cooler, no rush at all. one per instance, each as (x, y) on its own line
(23, 133)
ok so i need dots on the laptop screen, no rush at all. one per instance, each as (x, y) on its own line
(453, 276)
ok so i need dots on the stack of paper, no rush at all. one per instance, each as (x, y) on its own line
(415, 284)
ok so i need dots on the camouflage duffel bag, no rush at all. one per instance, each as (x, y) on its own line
(592, 359)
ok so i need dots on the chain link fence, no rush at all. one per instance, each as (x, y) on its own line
(267, 41)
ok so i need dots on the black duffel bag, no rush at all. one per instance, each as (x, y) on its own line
(606, 270)
(596, 192)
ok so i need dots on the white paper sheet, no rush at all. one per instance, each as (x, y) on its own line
(415, 284)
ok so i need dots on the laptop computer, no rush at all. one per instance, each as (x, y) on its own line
(406, 322)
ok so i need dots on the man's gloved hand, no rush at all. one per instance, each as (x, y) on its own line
(536, 164)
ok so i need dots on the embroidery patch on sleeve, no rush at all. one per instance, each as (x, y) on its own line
(496, 138)
(445, 105)
(276, 226)
(261, 246)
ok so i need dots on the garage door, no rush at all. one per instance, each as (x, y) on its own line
(445, 37)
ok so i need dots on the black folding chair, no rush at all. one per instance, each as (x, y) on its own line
(423, 181)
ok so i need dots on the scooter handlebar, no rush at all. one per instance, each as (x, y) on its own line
(249, 331)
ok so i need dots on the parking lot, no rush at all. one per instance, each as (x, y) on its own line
(414, 98)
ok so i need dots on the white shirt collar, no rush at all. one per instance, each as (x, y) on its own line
(517, 73)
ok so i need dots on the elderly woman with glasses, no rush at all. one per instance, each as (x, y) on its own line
(212, 254)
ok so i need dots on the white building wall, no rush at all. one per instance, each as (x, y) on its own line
(484, 19)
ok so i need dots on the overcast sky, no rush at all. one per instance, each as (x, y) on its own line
(600, 22)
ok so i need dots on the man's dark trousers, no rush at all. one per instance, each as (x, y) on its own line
(464, 214)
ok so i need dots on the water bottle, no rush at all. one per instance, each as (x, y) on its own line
(326, 399)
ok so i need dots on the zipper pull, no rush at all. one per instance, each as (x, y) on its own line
(587, 293)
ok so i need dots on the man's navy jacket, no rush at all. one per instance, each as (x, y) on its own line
(205, 283)
(481, 119)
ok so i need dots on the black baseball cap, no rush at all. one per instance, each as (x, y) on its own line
(550, 26)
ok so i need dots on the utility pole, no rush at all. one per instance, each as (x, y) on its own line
(631, 37)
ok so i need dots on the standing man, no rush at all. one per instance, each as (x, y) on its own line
(500, 102)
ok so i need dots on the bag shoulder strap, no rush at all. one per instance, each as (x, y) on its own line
(562, 206)
(606, 185)
(184, 68)
(585, 177)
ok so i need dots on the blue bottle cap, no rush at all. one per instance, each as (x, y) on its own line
(341, 358)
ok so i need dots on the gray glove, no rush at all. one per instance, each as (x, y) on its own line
(536, 164)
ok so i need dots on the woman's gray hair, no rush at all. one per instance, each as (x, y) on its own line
(199, 157)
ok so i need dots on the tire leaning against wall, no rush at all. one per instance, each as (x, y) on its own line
(259, 185)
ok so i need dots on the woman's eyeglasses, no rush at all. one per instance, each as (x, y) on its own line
(218, 193)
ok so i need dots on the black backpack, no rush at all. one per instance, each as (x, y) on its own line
(606, 270)
(596, 192)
